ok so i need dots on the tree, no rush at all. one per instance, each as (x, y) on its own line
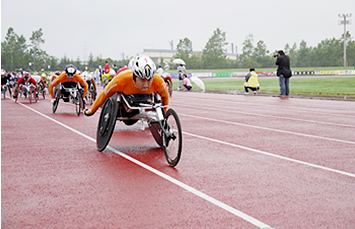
(184, 50)
(248, 47)
(13, 51)
(38, 56)
(214, 53)
(261, 55)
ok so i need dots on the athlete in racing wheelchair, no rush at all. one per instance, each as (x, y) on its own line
(139, 94)
(71, 83)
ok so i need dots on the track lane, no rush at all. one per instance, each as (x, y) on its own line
(256, 184)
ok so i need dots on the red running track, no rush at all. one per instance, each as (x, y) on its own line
(247, 162)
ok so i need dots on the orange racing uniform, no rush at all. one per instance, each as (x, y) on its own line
(63, 78)
(123, 82)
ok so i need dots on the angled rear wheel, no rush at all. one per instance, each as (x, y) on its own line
(107, 123)
(56, 101)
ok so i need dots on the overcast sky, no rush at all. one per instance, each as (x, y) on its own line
(111, 28)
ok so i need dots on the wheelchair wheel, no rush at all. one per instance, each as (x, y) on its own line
(44, 93)
(18, 93)
(106, 124)
(79, 103)
(3, 91)
(56, 101)
(172, 142)
(33, 95)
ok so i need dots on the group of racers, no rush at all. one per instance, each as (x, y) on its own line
(43, 82)
(139, 77)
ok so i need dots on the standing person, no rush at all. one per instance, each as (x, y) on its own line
(160, 70)
(251, 81)
(181, 79)
(181, 70)
(283, 72)
(186, 83)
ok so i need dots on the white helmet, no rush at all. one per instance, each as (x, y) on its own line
(130, 64)
(143, 67)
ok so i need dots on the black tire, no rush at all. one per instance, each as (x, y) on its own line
(106, 124)
(3, 90)
(79, 103)
(56, 101)
(172, 143)
(34, 94)
(10, 92)
(30, 94)
(17, 93)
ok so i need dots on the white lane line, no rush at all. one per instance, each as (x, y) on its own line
(271, 129)
(272, 155)
(297, 108)
(274, 116)
(163, 175)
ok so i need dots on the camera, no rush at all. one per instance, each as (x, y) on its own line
(276, 55)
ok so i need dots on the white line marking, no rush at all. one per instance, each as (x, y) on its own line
(274, 116)
(272, 155)
(266, 128)
(163, 175)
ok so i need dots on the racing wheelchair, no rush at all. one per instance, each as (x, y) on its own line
(28, 90)
(164, 126)
(73, 94)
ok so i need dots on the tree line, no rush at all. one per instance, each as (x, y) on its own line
(16, 53)
(327, 53)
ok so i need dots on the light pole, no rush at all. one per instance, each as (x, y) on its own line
(344, 22)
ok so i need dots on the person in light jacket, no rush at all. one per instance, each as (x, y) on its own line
(251, 82)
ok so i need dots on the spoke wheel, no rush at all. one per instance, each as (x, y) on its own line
(172, 143)
(34, 94)
(56, 101)
(3, 90)
(106, 124)
(18, 93)
(79, 103)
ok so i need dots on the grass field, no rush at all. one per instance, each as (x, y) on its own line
(328, 86)
(267, 69)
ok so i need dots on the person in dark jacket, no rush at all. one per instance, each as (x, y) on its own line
(283, 72)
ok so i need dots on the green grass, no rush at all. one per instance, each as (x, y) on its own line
(266, 69)
(314, 85)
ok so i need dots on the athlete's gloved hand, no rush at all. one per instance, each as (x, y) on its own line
(87, 112)
(52, 100)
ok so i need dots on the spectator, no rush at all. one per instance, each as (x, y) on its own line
(186, 83)
(160, 70)
(251, 81)
(283, 72)
(181, 79)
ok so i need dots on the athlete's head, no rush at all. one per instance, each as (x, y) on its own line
(143, 67)
(3, 72)
(70, 70)
(26, 76)
(143, 72)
